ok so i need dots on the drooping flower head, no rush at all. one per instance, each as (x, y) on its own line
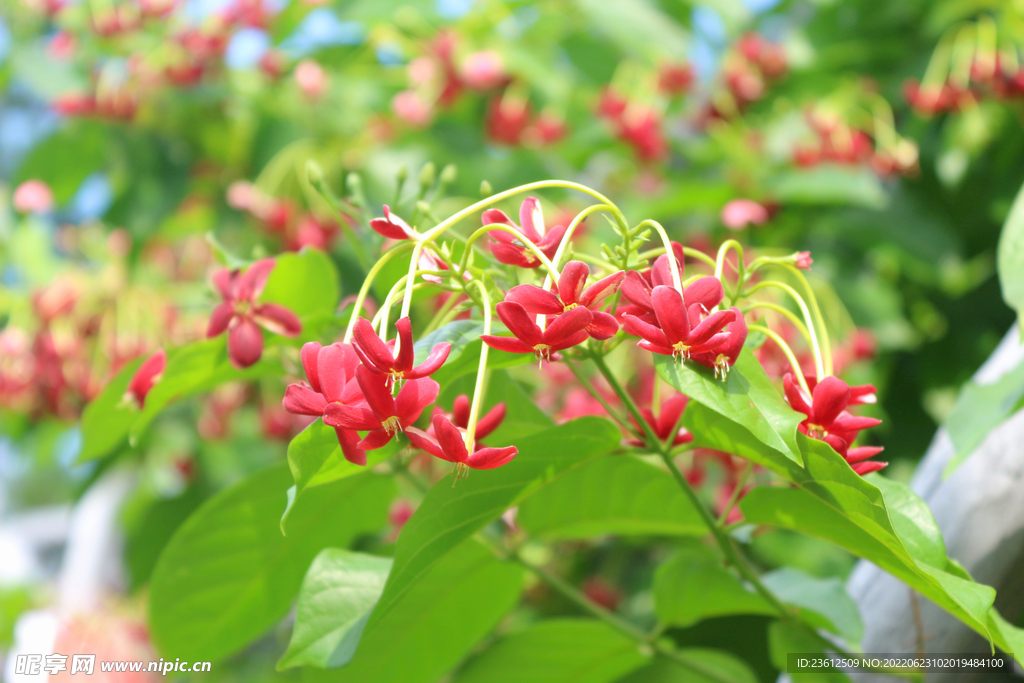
(448, 443)
(330, 371)
(512, 251)
(681, 329)
(380, 357)
(392, 226)
(724, 356)
(241, 315)
(145, 377)
(570, 293)
(460, 418)
(384, 415)
(567, 329)
(665, 424)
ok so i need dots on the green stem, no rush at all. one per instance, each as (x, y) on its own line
(792, 317)
(365, 289)
(819, 363)
(668, 252)
(735, 494)
(481, 373)
(480, 232)
(592, 390)
(826, 345)
(790, 356)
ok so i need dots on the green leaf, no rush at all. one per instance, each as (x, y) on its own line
(747, 398)
(195, 368)
(800, 510)
(227, 574)
(913, 520)
(1010, 259)
(306, 283)
(979, 409)
(823, 603)
(106, 421)
(707, 666)
(556, 651)
(50, 162)
(618, 495)
(457, 602)
(337, 595)
(315, 459)
(785, 638)
(829, 185)
(450, 514)
(693, 585)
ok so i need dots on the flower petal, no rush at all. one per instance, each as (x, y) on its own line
(303, 400)
(661, 272)
(831, 397)
(420, 439)
(435, 359)
(531, 219)
(373, 351)
(637, 291)
(710, 326)
(374, 440)
(535, 300)
(671, 410)
(146, 375)
(668, 306)
(489, 422)
(493, 216)
(414, 397)
(549, 244)
(489, 458)
(310, 351)
(251, 283)
(640, 328)
(519, 322)
(349, 441)
(862, 453)
(863, 468)
(707, 291)
(571, 340)
(572, 282)
(511, 255)
(567, 325)
(460, 411)
(603, 326)
(406, 352)
(350, 417)
(224, 280)
(450, 438)
(798, 400)
(220, 319)
(330, 370)
(277, 319)
(601, 290)
(375, 391)
(245, 343)
(391, 226)
(508, 344)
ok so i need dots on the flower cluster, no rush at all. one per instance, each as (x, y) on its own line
(283, 218)
(749, 68)
(838, 142)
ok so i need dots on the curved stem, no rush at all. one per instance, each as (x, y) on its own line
(673, 265)
(790, 315)
(790, 356)
(594, 260)
(381, 318)
(826, 346)
(480, 232)
(481, 372)
(365, 289)
(818, 358)
(723, 251)
(567, 237)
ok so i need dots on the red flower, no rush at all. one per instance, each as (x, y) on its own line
(385, 415)
(828, 420)
(379, 357)
(680, 331)
(392, 227)
(484, 426)
(724, 357)
(665, 424)
(857, 457)
(511, 251)
(567, 329)
(331, 373)
(242, 316)
(636, 287)
(145, 377)
(448, 444)
(569, 294)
